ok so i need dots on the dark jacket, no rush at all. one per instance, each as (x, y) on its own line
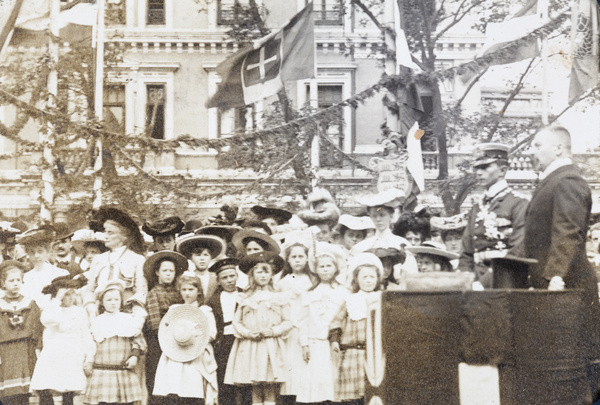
(555, 234)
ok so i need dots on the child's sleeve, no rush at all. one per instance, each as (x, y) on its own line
(153, 309)
(89, 345)
(38, 328)
(336, 326)
(304, 322)
(238, 324)
(286, 324)
(212, 324)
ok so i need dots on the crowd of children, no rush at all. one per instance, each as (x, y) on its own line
(272, 312)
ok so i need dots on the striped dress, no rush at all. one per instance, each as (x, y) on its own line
(111, 381)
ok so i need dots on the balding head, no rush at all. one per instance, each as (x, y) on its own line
(550, 144)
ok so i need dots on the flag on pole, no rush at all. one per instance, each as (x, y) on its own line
(585, 47)
(259, 71)
(515, 27)
(410, 110)
(33, 22)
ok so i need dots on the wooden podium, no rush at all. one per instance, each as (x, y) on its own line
(416, 341)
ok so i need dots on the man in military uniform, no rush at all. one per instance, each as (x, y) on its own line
(496, 225)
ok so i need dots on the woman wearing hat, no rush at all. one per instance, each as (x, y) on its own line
(124, 261)
(432, 256)
(38, 246)
(163, 232)
(202, 250)
(248, 241)
(381, 208)
(352, 230)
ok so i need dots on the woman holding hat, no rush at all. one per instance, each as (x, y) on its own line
(118, 349)
(124, 261)
(202, 250)
(261, 322)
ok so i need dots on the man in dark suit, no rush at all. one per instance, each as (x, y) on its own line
(556, 226)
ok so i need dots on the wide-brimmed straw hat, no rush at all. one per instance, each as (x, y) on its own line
(152, 263)
(391, 198)
(36, 236)
(83, 237)
(215, 245)
(183, 333)
(455, 222)
(356, 223)
(164, 227)
(432, 248)
(272, 258)
(239, 240)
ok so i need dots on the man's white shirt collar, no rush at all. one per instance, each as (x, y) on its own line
(558, 163)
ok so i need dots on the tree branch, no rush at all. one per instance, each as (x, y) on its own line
(468, 89)
(509, 99)
(588, 94)
(368, 12)
(456, 19)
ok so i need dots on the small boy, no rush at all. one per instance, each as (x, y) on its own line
(224, 304)
(38, 247)
(201, 250)
(161, 270)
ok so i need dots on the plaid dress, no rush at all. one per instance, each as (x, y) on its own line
(110, 381)
(350, 383)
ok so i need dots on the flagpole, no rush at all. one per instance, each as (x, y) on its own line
(99, 104)
(47, 136)
(391, 67)
(543, 13)
(314, 147)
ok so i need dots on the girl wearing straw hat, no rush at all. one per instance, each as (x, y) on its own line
(187, 370)
(261, 321)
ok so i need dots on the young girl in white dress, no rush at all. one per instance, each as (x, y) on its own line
(192, 382)
(320, 305)
(296, 280)
(261, 322)
(68, 344)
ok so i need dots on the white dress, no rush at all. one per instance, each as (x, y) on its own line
(318, 376)
(192, 379)
(68, 343)
(296, 287)
(34, 282)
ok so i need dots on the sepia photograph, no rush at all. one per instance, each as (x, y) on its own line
(281, 202)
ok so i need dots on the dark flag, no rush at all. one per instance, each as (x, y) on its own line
(258, 71)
